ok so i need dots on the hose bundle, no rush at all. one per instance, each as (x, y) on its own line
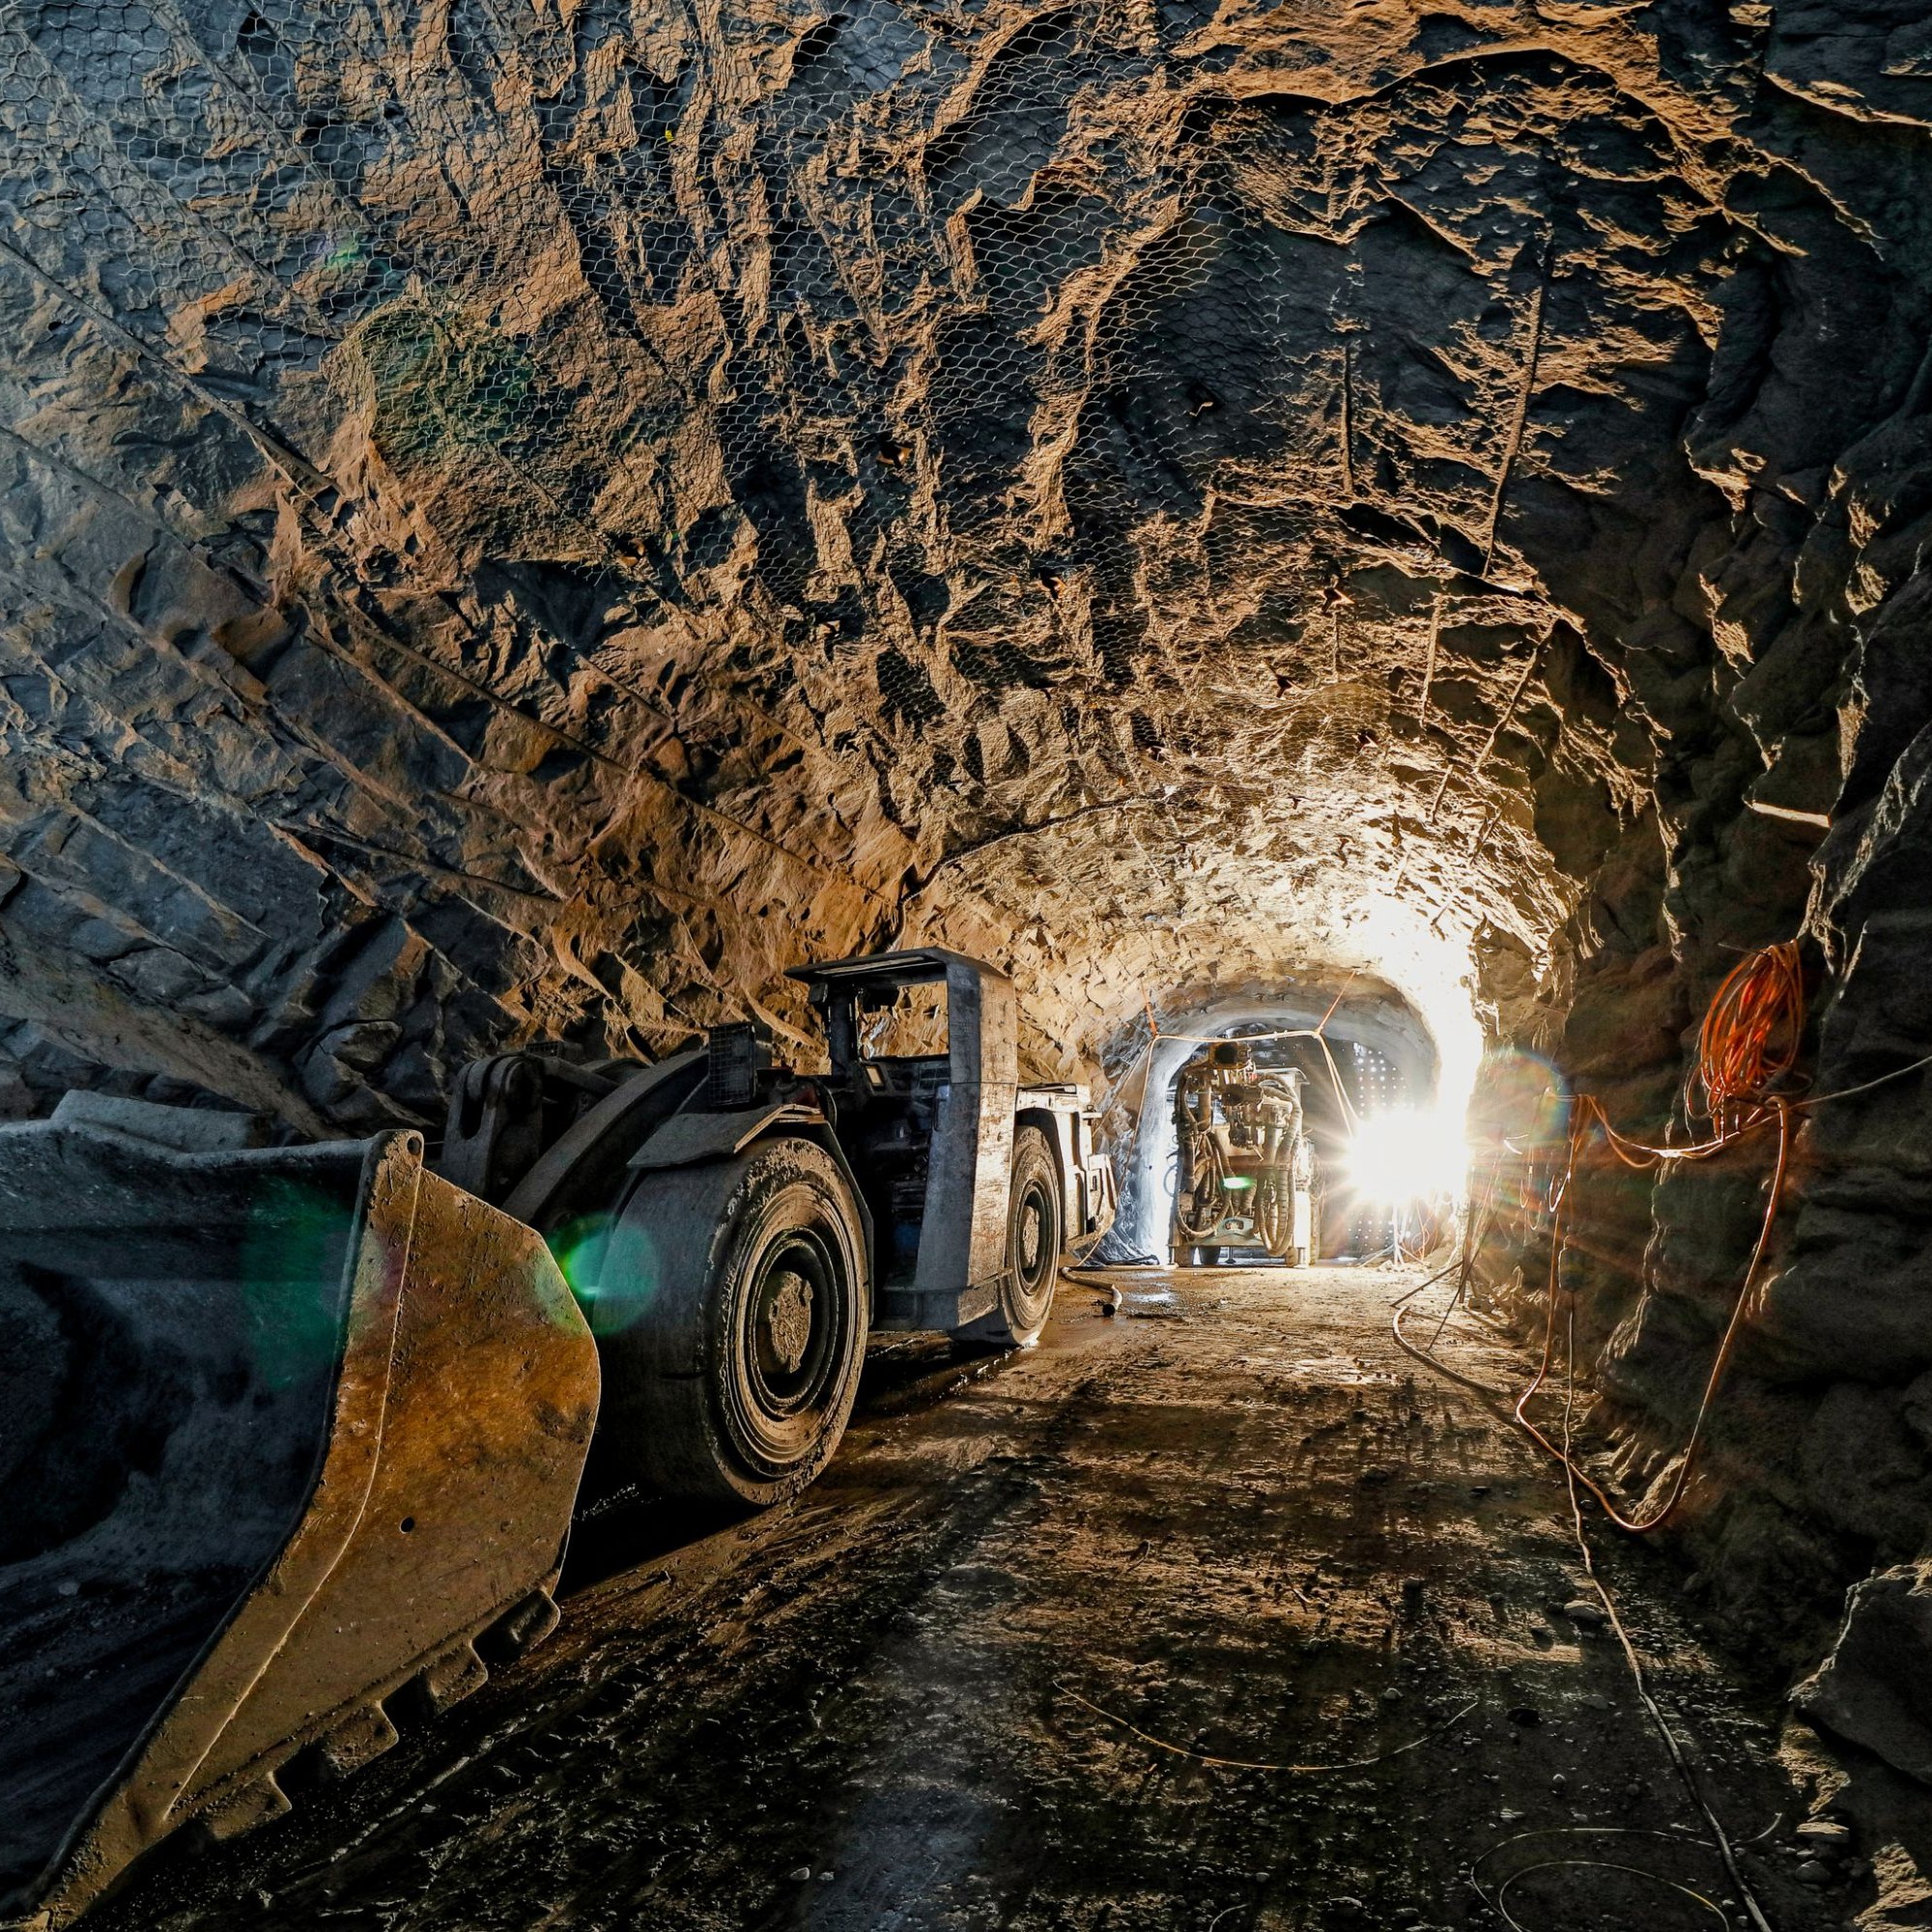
(1751, 1033)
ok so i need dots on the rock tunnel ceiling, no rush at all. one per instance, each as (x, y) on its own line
(531, 521)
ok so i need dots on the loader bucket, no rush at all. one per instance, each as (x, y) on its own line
(288, 1432)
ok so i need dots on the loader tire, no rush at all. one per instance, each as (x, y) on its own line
(1035, 1235)
(731, 1319)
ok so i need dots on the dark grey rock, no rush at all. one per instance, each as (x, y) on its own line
(1875, 1688)
(186, 1129)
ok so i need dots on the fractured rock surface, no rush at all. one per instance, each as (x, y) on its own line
(1872, 1688)
(527, 520)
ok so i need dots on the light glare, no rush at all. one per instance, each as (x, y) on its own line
(1407, 1155)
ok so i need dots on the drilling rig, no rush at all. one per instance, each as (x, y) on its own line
(1245, 1173)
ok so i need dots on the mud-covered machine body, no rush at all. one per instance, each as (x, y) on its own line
(293, 1434)
(1244, 1166)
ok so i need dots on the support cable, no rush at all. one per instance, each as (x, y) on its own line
(1669, 1737)
(1720, 1362)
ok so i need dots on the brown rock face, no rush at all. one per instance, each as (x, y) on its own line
(527, 520)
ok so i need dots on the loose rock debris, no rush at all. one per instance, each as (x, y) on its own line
(1001, 1688)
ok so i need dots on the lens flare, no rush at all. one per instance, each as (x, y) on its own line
(578, 1248)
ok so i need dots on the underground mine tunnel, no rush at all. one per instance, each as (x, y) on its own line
(964, 964)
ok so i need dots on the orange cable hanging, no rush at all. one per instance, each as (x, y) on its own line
(1749, 1040)
(1751, 1033)
(1681, 1481)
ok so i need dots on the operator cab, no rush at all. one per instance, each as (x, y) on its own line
(890, 1038)
(973, 1180)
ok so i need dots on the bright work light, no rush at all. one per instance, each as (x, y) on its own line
(1406, 1155)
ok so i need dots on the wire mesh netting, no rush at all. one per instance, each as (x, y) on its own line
(910, 438)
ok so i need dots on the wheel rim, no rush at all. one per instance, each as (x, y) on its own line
(792, 1340)
(1035, 1245)
(789, 1334)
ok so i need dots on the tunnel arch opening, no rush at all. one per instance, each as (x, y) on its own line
(1361, 1046)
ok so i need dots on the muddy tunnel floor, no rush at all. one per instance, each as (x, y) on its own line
(1234, 1519)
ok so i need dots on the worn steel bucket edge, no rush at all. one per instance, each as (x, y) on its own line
(179, 1771)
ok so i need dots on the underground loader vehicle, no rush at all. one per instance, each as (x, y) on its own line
(292, 1435)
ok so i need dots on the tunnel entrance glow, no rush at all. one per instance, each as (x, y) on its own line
(1386, 1085)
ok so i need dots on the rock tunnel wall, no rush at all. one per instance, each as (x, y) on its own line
(526, 520)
